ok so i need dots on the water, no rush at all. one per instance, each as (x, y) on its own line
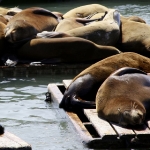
(23, 109)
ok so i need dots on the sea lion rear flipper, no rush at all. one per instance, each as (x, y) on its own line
(83, 104)
(45, 12)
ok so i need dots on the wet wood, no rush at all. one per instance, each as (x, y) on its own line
(109, 135)
(102, 127)
(9, 141)
(56, 95)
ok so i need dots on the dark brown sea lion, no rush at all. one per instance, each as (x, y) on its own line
(68, 49)
(135, 37)
(105, 32)
(124, 97)
(86, 10)
(26, 24)
(82, 91)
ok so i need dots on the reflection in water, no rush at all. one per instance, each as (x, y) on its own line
(23, 109)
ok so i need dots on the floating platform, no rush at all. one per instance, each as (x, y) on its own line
(9, 141)
(99, 133)
(42, 69)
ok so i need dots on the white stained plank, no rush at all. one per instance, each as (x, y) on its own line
(66, 83)
(143, 130)
(55, 92)
(102, 127)
(12, 142)
(122, 131)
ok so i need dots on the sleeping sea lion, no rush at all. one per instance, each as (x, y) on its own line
(82, 91)
(105, 32)
(135, 37)
(67, 49)
(124, 97)
(27, 23)
(72, 23)
(86, 10)
(9, 11)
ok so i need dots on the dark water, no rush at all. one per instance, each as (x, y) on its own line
(23, 109)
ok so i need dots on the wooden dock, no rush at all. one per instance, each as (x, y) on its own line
(99, 133)
(9, 141)
(43, 69)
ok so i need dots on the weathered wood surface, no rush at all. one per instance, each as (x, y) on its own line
(9, 141)
(56, 95)
(111, 135)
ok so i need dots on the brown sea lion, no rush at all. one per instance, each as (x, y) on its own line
(26, 24)
(124, 97)
(135, 37)
(3, 41)
(86, 10)
(68, 49)
(104, 32)
(82, 91)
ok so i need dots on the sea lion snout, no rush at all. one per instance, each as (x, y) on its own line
(132, 117)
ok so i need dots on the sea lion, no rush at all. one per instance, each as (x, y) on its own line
(82, 91)
(3, 19)
(105, 32)
(27, 23)
(134, 37)
(124, 97)
(133, 18)
(9, 11)
(72, 23)
(67, 49)
(86, 10)
(3, 42)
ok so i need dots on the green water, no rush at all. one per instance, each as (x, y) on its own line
(23, 109)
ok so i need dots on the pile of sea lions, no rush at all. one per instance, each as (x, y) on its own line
(116, 84)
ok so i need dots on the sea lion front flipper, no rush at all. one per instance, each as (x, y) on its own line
(47, 34)
(128, 70)
(73, 103)
(45, 12)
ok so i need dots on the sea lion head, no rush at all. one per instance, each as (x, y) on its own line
(131, 113)
(19, 31)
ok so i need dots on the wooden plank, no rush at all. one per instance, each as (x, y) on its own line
(9, 141)
(102, 127)
(57, 96)
(122, 131)
(67, 83)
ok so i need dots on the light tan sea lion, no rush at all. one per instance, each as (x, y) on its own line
(3, 19)
(9, 11)
(72, 23)
(135, 37)
(68, 49)
(26, 24)
(105, 32)
(133, 18)
(86, 10)
(82, 91)
(124, 97)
